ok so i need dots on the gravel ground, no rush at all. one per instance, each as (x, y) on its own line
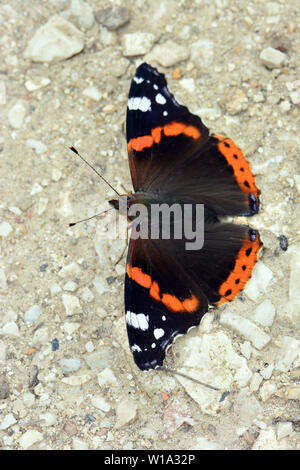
(67, 378)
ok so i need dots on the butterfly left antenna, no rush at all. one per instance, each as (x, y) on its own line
(94, 169)
(89, 218)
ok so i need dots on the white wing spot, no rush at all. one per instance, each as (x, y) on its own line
(137, 320)
(135, 348)
(143, 104)
(138, 80)
(165, 113)
(155, 86)
(158, 333)
(160, 99)
(153, 345)
(163, 318)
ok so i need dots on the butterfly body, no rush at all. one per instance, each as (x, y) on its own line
(175, 163)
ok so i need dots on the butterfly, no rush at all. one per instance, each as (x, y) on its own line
(174, 159)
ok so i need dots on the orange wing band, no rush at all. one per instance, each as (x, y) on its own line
(241, 167)
(169, 130)
(172, 303)
(244, 264)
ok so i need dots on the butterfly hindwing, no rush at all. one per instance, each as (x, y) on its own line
(168, 288)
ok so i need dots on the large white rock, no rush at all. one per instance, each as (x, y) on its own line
(138, 43)
(245, 328)
(211, 359)
(56, 40)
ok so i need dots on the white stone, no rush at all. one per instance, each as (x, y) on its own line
(285, 106)
(246, 349)
(70, 286)
(100, 403)
(202, 52)
(82, 13)
(267, 371)
(289, 354)
(57, 40)
(8, 421)
(100, 286)
(71, 270)
(48, 419)
(79, 444)
(56, 174)
(188, 84)
(16, 115)
(71, 304)
(265, 313)
(5, 229)
(3, 281)
(212, 360)
(284, 429)
(37, 146)
(137, 43)
(86, 294)
(43, 202)
(294, 290)
(202, 443)
(267, 390)
(272, 58)
(245, 328)
(11, 329)
(89, 346)
(106, 377)
(70, 327)
(41, 336)
(261, 276)
(70, 365)
(29, 438)
(32, 314)
(168, 54)
(28, 399)
(266, 441)
(76, 380)
(126, 412)
(93, 93)
(39, 82)
(54, 289)
(295, 96)
(255, 382)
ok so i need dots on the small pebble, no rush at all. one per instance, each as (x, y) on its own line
(43, 267)
(8, 421)
(29, 438)
(56, 40)
(283, 242)
(37, 146)
(16, 115)
(169, 53)
(71, 304)
(80, 12)
(70, 428)
(11, 329)
(70, 365)
(5, 229)
(138, 43)
(93, 93)
(126, 412)
(113, 17)
(284, 429)
(100, 403)
(272, 58)
(32, 314)
(55, 344)
(265, 313)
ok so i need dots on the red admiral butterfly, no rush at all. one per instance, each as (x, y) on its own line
(173, 158)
